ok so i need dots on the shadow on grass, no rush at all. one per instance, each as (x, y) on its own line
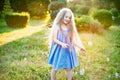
(4, 28)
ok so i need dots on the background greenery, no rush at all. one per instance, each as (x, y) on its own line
(24, 50)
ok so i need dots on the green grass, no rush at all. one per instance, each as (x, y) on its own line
(4, 28)
(26, 58)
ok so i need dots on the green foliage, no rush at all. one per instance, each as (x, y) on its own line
(92, 10)
(71, 6)
(64, 1)
(86, 2)
(1, 5)
(117, 5)
(78, 9)
(38, 9)
(102, 4)
(114, 56)
(86, 23)
(83, 22)
(17, 19)
(103, 16)
(96, 27)
(52, 0)
(4, 28)
(2, 22)
(117, 39)
(116, 18)
(19, 6)
(54, 13)
(6, 9)
(55, 6)
(81, 9)
(115, 12)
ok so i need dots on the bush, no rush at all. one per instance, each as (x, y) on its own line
(54, 13)
(81, 9)
(37, 9)
(55, 6)
(117, 20)
(71, 6)
(96, 27)
(83, 23)
(17, 19)
(91, 11)
(86, 23)
(103, 16)
(114, 12)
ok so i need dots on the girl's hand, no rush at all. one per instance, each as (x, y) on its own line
(64, 45)
(83, 50)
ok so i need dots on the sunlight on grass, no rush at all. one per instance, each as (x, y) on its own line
(97, 60)
(26, 56)
(17, 34)
(94, 59)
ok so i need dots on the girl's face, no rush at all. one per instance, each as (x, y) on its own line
(67, 18)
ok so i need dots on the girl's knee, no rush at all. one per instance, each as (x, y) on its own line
(54, 70)
(68, 70)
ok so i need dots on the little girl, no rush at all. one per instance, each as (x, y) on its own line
(64, 39)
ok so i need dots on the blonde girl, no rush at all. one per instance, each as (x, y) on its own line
(64, 38)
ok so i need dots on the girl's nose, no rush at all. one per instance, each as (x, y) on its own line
(68, 19)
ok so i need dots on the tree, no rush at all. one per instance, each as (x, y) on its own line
(117, 4)
(1, 5)
(102, 4)
(7, 8)
(38, 8)
(55, 6)
(19, 5)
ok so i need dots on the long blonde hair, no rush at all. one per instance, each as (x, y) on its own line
(57, 22)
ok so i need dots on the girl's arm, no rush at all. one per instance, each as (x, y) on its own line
(54, 37)
(77, 42)
(78, 45)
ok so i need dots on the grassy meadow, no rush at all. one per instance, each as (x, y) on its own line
(25, 57)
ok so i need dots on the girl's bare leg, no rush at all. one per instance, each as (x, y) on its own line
(53, 74)
(69, 74)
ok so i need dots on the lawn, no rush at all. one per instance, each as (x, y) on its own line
(25, 58)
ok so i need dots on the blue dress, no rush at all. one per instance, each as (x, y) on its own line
(61, 58)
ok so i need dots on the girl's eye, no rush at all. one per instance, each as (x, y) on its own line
(68, 17)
